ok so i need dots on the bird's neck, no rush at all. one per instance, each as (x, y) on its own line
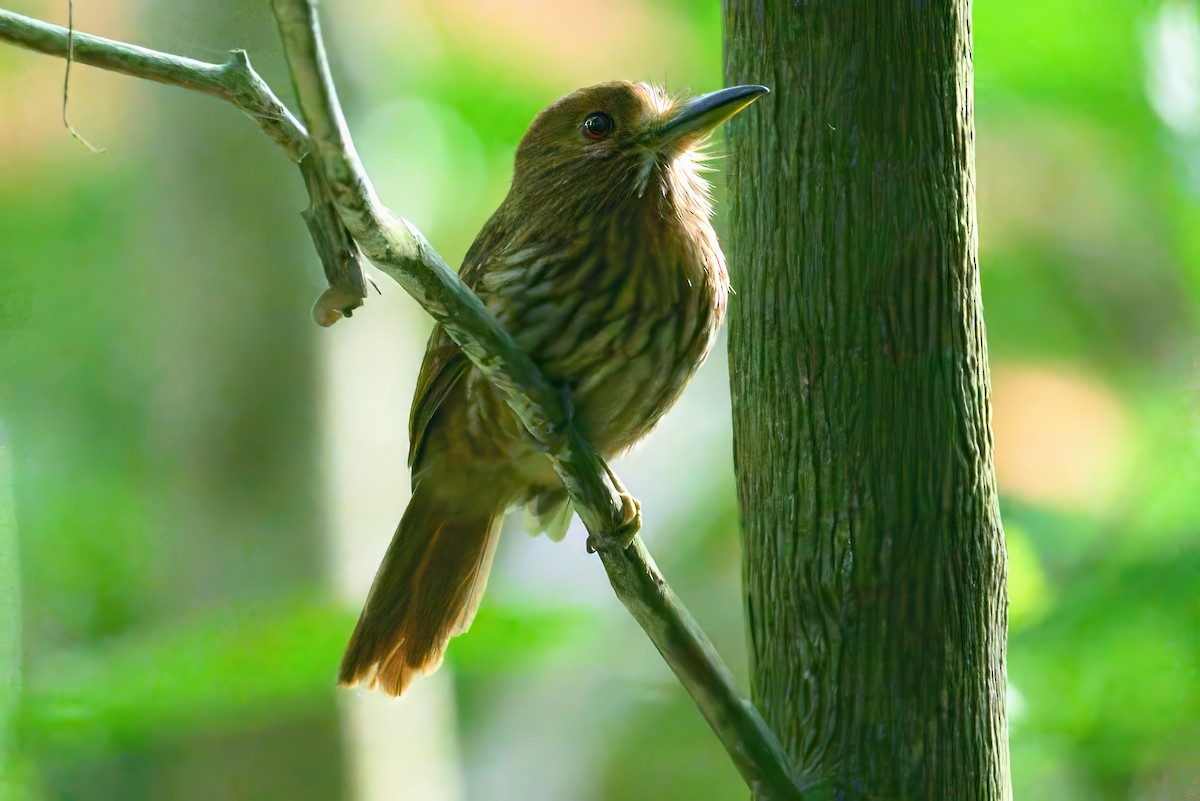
(658, 204)
(678, 187)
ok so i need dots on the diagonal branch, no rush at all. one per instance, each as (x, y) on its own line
(396, 247)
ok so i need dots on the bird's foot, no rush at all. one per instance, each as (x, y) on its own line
(631, 517)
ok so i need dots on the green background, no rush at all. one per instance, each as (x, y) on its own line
(196, 483)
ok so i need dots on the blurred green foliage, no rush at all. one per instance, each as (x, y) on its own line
(1089, 201)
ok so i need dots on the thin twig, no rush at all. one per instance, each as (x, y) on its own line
(337, 249)
(237, 83)
(67, 80)
(234, 81)
(398, 249)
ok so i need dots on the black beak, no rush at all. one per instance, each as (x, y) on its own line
(701, 115)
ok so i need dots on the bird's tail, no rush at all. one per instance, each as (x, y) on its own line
(427, 589)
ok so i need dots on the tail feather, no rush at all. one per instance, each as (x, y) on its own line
(549, 512)
(479, 581)
(427, 590)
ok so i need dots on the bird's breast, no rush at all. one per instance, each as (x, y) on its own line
(622, 319)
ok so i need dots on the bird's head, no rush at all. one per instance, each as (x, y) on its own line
(607, 144)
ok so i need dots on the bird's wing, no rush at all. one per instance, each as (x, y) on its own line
(445, 364)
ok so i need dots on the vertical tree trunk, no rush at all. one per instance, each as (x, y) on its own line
(874, 557)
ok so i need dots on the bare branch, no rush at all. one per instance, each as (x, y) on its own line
(338, 251)
(234, 81)
(237, 83)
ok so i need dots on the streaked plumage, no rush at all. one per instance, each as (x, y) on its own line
(603, 265)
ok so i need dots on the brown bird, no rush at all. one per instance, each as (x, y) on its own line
(603, 265)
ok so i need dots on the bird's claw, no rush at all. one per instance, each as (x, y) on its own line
(631, 524)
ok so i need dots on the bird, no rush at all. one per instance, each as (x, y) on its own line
(603, 265)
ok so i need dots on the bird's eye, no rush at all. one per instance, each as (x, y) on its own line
(598, 125)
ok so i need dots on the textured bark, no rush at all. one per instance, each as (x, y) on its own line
(874, 557)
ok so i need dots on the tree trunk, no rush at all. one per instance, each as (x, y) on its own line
(874, 556)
